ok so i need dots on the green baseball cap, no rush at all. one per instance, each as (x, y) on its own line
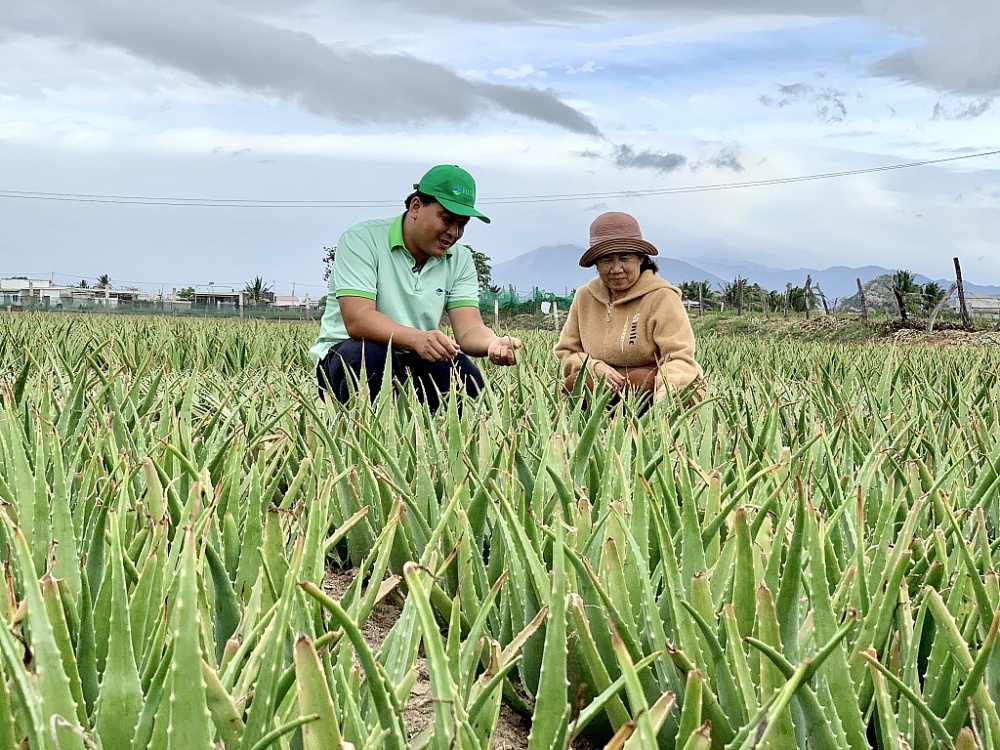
(454, 189)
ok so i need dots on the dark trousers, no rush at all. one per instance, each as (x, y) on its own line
(341, 371)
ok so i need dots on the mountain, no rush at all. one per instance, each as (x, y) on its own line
(556, 268)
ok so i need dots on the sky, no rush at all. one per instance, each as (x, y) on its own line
(182, 143)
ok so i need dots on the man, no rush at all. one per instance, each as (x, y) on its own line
(391, 281)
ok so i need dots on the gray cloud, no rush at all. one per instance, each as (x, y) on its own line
(626, 157)
(957, 43)
(226, 49)
(962, 109)
(727, 158)
(827, 102)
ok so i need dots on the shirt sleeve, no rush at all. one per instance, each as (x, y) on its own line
(355, 268)
(569, 349)
(674, 341)
(464, 291)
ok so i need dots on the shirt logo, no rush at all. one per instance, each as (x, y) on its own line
(440, 292)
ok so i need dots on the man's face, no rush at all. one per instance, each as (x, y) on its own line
(433, 229)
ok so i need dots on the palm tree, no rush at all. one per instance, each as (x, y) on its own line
(104, 281)
(903, 285)
(931, 294)
(83, 284)
(257, 291)
(735, 292)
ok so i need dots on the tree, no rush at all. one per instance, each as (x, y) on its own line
(734, 292)
(931, 293)
(258, 292)
(693, 290)
(903, 286)
(186, 293)
(103, 281)
(331, 253)
(83, 284)
(484, 273)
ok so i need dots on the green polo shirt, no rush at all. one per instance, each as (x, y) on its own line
(372, 262)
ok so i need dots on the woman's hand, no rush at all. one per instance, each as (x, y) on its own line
(613, 379)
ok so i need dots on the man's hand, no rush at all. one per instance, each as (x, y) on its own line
(435, 346)
(613, 380)
(501, 350)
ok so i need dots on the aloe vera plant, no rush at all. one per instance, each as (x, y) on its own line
(805, 559)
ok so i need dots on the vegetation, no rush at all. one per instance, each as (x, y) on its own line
(805, 559)
(258, 292)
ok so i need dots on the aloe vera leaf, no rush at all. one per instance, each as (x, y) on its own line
(822, 726)
(253, 535)
(314, 698)
(599, 704)
(120, 702)
(973, 689)
(67, 554)
(787, 604)
(655, 717)
(549, 722)
(24, 691)
(227, 718)
(933, 720)
(443, 688)
(825, 625)
(592, 664)
(186, 722)
(784, 733)
(699, 739)
(739, 662)
(226, 609)
(470, 654)
(725, 684)
(749, 735)
(380, 691)
(55, 607)
(888, 729)
(744, 580)
(56, 699)
(690, 719)
(485, 704)
(8, 737)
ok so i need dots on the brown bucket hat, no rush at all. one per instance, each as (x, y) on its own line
(615, 232)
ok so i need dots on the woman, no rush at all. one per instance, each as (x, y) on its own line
(627, 327)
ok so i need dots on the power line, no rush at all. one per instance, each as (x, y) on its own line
(553, 197)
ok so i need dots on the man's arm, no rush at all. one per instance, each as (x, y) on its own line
(478, 340)
(363, 321)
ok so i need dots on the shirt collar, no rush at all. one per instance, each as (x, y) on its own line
(396, 235)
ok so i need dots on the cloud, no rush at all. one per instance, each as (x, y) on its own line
(727, 158)
(962, 109)
(828, 103)
(588, 67)
(626, 157)
(956, 43)
(222, 48)
(522, 71)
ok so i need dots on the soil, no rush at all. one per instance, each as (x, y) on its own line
(512, 729)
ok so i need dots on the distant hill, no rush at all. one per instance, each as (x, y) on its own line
(555, 268)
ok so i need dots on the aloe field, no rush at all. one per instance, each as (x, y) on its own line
(805, 559)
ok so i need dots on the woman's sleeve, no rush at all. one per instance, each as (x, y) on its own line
(569, 348)
(674, 342)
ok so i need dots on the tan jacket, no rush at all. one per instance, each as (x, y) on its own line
(648, 327)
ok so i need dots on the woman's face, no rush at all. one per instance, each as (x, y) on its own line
(619, 271)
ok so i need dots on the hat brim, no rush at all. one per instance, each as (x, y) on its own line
(616, 245)
(460, 209)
